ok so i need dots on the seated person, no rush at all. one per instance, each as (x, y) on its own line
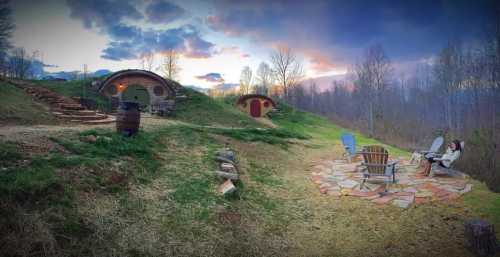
(452, 153)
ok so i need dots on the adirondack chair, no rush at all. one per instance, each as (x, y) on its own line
(438, 170)
(349, 143)
(376, 164)
(436, 144)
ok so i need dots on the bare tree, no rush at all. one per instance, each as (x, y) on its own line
(371, 80)
(147, 61)
(6, 28)
(245, 80)
(170, 64)
(19, 63)
(288, 70)
(264, 78)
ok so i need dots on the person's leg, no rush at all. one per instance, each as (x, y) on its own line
(424, 167)
(427, 169)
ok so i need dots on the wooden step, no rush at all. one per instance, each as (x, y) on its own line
(82, 118)
(72, 106)
(108, 120)
(79, 112)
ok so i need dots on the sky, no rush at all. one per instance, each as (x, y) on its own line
(217, 38)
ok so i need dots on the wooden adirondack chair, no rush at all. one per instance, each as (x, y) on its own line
(376, 164)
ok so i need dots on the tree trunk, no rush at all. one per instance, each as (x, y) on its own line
(481, 237)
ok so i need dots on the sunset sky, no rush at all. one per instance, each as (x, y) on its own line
(218, 38)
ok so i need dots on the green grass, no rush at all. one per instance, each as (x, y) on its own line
(321, 128)
(203, 110)
(18, 108)
(76, 88)
(484, 203)
(8, 154)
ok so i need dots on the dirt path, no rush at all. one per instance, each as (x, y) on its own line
(31, 132)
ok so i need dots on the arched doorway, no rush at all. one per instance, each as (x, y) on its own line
(255, 108)
(137, 94)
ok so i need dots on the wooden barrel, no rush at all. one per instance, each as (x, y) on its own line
(128, 118)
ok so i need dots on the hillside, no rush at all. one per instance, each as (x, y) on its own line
(18, 108)
(155, 194)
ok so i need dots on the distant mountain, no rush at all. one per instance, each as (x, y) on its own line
(100, 73)
(226, 86)
(196, 88)
(72, 75)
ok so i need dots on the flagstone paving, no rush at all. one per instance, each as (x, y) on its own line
(341, 179)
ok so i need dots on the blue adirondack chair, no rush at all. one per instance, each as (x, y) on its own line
(349, 143)
(436, 144)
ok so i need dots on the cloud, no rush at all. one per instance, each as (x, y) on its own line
(320, 62)
(232, 50)
(160, 11)
(112, 18)
(340, 30)
(123, 32)
(103, 13)
(117, 51)
(211, 77)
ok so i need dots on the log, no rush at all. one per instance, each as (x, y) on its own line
(227, 187)
(227, 167)
(222, 159)
(227, 154)
(227, 175)
(481, 237)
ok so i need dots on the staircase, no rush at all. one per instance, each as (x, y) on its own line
(66, 108)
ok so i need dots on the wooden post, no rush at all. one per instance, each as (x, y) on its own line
(481, 237)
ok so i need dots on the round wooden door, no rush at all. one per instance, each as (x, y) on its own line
(137, 94)
(255, 108)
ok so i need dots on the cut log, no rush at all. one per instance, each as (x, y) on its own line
(227, 187)
(227, 167)
(227, 154)
(227, 175)
(481, 237)
(222, 159)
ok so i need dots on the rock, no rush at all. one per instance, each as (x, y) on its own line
(333, 193)
(401, 203)
(423, 194)
(408, 198)
(383, 199)
(348, 183)
(89, 139)
(467, 189)
(410, 190)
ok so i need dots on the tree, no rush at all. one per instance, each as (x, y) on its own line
(245, 80)
(6, 28)
(170, 64)
(264, 77)
(288, 70)
(371, 79)
(147, 61)
(19, 63)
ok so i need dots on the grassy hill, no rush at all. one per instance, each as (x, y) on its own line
(155, 194)
(18, 108)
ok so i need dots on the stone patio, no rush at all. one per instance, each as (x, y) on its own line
(339, 178)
